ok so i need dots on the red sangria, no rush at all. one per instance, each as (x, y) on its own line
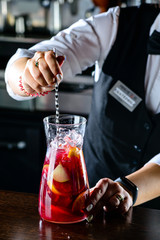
(64, 187)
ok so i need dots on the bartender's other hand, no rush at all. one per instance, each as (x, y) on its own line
(108, 195)
(41, 72)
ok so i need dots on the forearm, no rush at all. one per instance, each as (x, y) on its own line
(13, 74)
(147, 179)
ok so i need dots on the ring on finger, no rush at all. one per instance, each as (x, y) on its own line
(119, 197)
(36, 62)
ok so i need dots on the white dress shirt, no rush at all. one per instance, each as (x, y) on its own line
(155, 159)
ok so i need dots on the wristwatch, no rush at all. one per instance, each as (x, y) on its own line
(130, 186)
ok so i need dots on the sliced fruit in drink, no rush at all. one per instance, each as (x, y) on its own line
(62, 191)
(60, 174)
(53, 189)
(45, 171)
(73, 152)
(45, 168)
(79, 202)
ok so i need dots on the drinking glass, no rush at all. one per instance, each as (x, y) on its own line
(64, 187)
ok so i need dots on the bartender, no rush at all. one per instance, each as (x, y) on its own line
(123, 129)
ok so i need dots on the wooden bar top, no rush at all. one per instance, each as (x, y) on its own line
(19, 220)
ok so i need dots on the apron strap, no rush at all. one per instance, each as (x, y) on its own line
(128, 57)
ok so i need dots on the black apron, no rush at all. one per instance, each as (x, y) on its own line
(117, 141)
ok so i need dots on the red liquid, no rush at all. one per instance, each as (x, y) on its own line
(64, 186)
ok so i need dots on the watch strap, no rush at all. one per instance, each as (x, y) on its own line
(130, 186)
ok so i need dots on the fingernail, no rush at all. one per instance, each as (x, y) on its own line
(59, 77)
(89, 207)
(89, 218)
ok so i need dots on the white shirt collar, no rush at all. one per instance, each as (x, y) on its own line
(155, 25)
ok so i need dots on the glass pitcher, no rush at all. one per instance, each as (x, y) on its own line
(64, 187)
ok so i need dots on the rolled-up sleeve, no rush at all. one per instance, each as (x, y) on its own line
(155, 159)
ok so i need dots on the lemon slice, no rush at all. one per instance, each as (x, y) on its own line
(79, 202)
(60, 174)
(45, 167)
(53, 189)
(73, 152)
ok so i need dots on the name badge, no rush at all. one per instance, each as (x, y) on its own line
(125, 96)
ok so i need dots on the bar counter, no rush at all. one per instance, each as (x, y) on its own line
(19, 220)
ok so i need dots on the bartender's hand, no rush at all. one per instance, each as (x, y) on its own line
(109, 196)
(36, 75)
(41, 72)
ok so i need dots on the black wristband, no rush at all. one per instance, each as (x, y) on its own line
(130, 186)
